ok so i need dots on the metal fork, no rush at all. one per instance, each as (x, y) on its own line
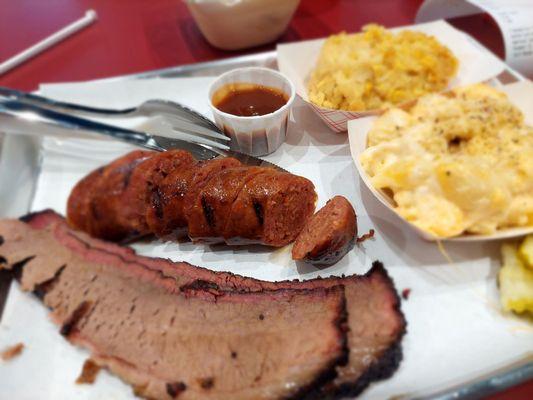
(23, 118)
(167, 118)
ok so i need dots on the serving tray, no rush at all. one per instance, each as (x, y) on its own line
(20, 167)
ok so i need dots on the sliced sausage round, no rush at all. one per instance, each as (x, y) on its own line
(198, 216)
(122, 205)
(272, 209)
(328, 235)
(213, 204)
(165, 216)
(94, 200)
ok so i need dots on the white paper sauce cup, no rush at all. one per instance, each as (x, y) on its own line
(257, 135)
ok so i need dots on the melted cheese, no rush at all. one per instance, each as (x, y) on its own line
(455, 163)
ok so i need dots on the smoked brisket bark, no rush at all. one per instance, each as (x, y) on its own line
(376, 324)
(169, 341)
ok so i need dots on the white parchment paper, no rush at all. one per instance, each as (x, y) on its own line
(456, 330)
(514, 18)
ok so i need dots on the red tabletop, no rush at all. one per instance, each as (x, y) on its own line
(139, 35)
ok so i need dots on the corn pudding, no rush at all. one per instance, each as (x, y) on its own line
(377, 68)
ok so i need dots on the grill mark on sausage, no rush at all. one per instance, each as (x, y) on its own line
(127, 170)
(3, 260)
(1, 240)
(72, 321)
(156, 203)
(258, 208)
(208, 212)
(44, 287)
(94, 210)
(174, 389)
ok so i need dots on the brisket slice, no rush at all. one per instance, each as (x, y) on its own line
(169, 341)
(376, 324)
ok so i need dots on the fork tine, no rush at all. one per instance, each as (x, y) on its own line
(158, 130)
(161, 127)
(157, 107)
(181, 124)
(199, 139)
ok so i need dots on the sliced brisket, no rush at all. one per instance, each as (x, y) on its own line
(170, 341)
(376, 324)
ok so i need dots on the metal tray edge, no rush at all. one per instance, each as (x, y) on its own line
(482, 386)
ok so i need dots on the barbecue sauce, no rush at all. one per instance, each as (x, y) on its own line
(249, 100)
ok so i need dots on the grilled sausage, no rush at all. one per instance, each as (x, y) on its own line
(272, 209)
(94, 201)
(111, 202)
(198, 216)
(328, 235)
(213, 203)
(170, 193)
(164, 215)
(78, 205)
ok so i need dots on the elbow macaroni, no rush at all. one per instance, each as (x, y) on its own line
(455, 163)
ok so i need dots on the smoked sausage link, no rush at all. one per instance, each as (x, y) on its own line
(170, 194)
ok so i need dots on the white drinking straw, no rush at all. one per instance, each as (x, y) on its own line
(89, 18)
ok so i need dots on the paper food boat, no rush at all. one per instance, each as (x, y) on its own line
(476, 64)
(521, 95)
